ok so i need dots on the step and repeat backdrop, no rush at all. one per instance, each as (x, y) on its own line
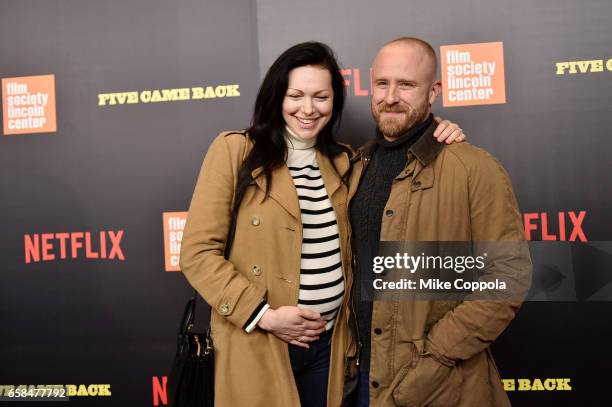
(108, 108)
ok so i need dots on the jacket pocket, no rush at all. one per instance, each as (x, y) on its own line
(428, 384)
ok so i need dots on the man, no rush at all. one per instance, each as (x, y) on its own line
(408, 187)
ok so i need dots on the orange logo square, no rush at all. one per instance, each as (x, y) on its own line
(473, 74)
(28, 105)
(174, 223)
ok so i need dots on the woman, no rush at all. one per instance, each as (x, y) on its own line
(279, 328)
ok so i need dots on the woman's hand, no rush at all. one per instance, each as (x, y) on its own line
(293, 325)
(448, 131)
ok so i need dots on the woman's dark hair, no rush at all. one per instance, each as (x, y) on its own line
(268, 126)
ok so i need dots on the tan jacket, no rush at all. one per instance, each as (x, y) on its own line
(253, 369)
(436, 353)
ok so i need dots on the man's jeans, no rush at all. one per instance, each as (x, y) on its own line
(363, 390)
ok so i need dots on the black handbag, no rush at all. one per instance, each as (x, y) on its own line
(191, 382)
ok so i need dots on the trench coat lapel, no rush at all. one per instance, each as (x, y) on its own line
(331, 179)
(282, 189)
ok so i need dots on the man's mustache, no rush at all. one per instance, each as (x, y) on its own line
(391, 109)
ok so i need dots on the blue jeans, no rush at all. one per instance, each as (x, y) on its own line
(363, 389)
(311, 370)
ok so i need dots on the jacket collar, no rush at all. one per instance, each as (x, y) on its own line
(283, 189)
(366, 151)
(425, 149)
(331, 178)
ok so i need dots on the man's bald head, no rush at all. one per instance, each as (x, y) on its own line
(421, 47)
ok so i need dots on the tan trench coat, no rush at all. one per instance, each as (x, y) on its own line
(253, 369)
(446, 192)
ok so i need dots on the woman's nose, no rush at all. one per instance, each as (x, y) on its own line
(308, 107)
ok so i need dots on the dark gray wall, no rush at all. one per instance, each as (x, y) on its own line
(109, 168)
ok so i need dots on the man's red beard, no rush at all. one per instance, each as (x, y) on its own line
(396, 126)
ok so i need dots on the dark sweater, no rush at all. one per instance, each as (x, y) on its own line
(366, 212)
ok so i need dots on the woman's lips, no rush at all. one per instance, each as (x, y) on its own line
(306, 124)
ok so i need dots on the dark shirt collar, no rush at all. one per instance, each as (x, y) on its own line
(408, 137)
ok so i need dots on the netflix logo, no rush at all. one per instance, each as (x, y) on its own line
(105, 244)
(356, 82)
(160, 392)
(561, 226)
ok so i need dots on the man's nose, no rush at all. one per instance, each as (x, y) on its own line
(391, 97)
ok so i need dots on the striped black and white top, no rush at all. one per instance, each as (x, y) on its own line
(321, 280)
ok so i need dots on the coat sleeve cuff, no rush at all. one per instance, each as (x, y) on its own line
(240, 300)
(432, 351)
(251, 323)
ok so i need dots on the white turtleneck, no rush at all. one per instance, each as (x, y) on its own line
(321, 280)
(295, 142)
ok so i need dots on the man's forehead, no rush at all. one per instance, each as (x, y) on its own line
(406, 58)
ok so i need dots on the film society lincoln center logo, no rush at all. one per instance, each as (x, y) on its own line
(473, 74)
(28, 105)
(174, 223)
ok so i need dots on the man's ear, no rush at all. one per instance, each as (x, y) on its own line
(434, 91)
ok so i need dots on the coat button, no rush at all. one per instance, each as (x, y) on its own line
(224, 309)
(375, 385)
(255, 221)
(256, 270)
(377, 331)
(389, 213)
(417, 184)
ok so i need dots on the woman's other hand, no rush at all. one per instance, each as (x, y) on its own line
(448, 131)
(293, 325)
